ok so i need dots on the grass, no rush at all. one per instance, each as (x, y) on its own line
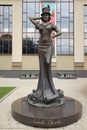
(5, 90)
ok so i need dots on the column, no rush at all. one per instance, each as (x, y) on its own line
(78, 34)
(17, 35)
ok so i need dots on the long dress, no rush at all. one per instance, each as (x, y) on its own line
(45, 92)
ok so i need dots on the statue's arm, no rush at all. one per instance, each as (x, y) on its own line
(58, 33)
(33, 20)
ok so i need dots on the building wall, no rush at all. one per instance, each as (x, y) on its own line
(5, 62)
(16, 60)
(65, 62)
(30, 62)
(85, 63)
(17, 31)
(79, 58)
(62, 63)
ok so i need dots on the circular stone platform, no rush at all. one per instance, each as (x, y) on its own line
(50, 117)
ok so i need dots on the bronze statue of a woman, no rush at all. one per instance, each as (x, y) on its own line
(45, 92)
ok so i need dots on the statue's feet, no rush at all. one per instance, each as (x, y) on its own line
(37, 98)
(60, 93)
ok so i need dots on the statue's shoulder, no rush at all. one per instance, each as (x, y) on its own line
(38, 25)
(53, 27)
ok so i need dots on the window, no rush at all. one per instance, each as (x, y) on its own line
(63, 19)
(5, 29)
(31, 8)
(65, 24)
(85, 29)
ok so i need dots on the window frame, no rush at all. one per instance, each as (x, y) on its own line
(58, 23)
(6, 32)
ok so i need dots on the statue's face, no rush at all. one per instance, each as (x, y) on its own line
(46, 17)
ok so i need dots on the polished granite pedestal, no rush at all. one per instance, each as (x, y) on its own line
(48, 117)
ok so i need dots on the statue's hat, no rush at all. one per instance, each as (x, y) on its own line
(46, 10)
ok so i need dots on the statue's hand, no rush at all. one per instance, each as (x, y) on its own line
(56, 35)
(59, 33)
(30, 18)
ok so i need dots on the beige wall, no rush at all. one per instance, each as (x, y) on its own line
(65, 63)
(5, 62)
(85, 63)
(30, 63)
(16, 28)
(17, 31)
(78, 31)
(79, 58)
(80, 61)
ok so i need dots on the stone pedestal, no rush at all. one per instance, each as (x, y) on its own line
(46, 117)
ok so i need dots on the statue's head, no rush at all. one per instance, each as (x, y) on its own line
(46, 14)
(46, 10)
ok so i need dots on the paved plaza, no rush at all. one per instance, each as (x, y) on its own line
(75, 88)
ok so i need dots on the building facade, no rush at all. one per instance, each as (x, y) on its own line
(19, 38)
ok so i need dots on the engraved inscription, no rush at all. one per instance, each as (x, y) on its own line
(49, 122)
(53, 123)
(39, 122)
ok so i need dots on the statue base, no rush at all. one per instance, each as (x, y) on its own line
(47, 117)
(51, 102)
